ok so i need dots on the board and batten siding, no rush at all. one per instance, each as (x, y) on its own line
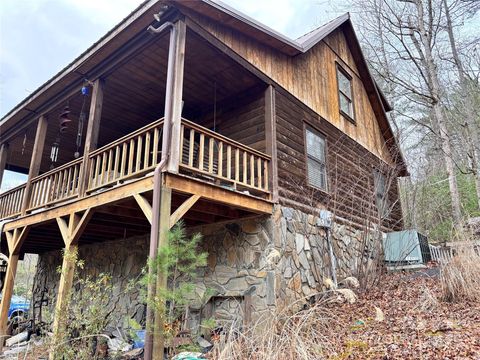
(311, 77)
(350, 168)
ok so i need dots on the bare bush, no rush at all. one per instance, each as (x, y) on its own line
(460, 277)
(282, 335)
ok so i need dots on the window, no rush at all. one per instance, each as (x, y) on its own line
(381, 196)
(345, 96)
(316, 169)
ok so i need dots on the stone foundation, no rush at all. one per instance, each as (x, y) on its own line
(254, 267)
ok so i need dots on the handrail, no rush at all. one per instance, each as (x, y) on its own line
(225, 138)
(6, 192)
(56, 185)
(217, 158)
(127, 137)
(11, 201)
(57, 169)
(128, 157)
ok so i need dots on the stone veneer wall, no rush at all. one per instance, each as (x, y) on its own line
(262, 263)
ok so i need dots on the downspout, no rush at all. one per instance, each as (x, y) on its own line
(157, 184)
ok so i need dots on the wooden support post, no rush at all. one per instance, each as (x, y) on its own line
(176, 98)
(271, 140)
(35, 160)
(71, 233)
(93, 129)
(15, 240)
(161, 281)
(3, 160)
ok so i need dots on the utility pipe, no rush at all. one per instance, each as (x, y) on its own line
(157, 184)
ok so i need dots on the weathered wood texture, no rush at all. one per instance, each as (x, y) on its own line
(349, 169)
(311, 77)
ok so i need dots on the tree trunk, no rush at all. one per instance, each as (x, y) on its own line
(431, 68)
(472, 129)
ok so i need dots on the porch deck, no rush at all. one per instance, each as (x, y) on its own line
(210, 165)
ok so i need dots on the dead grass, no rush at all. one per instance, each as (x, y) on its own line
(282, 336)
(460, 277)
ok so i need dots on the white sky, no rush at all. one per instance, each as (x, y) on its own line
(38, 38)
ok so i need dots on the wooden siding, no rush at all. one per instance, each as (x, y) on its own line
(311, 77)
(350, 168)
(242, 119)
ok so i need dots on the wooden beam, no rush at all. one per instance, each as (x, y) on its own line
(15, 240)
(271, 140)
(79, 224)
(161, 281)
(36, 159)
(3, 160)
(63, 297)
(21, 236)
(63, 226)
(182, 209)
(72, 230)
(176, 98)
(93, 129)
(92, 201)
(7, 293)
(217, 194)
(144, 206)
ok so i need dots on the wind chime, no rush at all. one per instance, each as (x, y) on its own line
(63, 122)
(81, 122)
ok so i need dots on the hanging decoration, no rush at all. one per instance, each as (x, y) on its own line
(64, 120)
(24, 143)
(81, 122)
(54, 151)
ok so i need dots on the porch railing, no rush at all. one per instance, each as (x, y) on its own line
(204, 154)
(56, 185)
(11, 201)
(227, 162)
(132, 155)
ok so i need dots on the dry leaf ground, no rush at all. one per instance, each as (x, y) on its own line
(416, 325)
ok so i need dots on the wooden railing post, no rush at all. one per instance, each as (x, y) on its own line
(3, 160)
(271, 141)
(93, 129)
(36, 159)
(176, 96)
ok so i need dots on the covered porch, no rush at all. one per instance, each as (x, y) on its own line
(94, 181)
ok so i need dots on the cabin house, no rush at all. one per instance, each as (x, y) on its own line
(278, 151)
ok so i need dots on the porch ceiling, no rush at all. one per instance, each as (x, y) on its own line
(134, 96)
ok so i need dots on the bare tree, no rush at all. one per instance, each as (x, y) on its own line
(473, 139)
(404, 38)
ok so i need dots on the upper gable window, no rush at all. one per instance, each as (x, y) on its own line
(345, 94)
(316, 164)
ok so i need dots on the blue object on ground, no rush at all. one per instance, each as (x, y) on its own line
(139, 342)
(18, 306)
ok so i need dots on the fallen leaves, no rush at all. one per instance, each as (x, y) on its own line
(402, 318)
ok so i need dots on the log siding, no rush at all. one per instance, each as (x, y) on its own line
(350, 169)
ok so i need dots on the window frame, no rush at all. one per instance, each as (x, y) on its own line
(313, 129)
(344, 72)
